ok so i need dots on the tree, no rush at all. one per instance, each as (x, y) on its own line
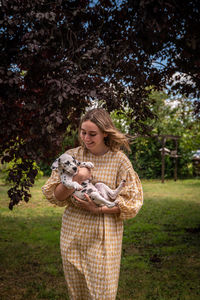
(57, 56)
(169, 32)
(174, 118)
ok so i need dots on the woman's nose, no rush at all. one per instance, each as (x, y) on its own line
(87, 137)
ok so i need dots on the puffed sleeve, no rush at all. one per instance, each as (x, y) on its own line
(130, 200)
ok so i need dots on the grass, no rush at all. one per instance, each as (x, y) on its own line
(160, 256)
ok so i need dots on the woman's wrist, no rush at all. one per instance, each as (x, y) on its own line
(96, 210)
(106, 210)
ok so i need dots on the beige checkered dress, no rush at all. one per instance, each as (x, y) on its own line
(91, 244)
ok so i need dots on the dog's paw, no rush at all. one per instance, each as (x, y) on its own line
(90, 165)
(77, 186)
(110, 205)
(87, 164)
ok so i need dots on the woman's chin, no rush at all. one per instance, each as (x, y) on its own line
(89, 146)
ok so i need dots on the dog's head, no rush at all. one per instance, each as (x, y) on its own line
(66, 163)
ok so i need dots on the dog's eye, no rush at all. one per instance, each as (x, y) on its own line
(67, 163)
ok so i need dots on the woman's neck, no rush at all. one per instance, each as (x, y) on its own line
(100, 152)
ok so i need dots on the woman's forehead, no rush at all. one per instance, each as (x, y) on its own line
(89, 126)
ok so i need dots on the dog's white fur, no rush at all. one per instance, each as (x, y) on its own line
(100, 193)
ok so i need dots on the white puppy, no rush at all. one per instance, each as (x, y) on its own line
(100, 193)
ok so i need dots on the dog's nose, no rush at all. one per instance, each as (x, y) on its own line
(75, 168)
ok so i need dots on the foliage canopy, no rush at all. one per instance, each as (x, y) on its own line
(56, 56)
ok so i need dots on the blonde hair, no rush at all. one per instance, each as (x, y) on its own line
(115, 140)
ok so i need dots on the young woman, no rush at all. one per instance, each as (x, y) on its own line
(91, 236)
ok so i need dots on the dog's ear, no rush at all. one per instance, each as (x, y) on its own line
(55, 164)
(76, 161)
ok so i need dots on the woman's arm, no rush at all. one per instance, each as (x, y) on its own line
(61, 192)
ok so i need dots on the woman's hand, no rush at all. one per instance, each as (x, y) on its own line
(61, 192)
(88, 204)
(82, 175)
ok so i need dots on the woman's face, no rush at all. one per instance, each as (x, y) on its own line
(93, 137)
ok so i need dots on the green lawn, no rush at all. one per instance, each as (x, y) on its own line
(161, 246)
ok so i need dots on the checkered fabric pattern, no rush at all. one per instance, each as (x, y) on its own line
(91, 244)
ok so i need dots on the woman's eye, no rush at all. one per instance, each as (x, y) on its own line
(84, 133)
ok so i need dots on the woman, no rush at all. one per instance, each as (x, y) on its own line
(91, 236)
